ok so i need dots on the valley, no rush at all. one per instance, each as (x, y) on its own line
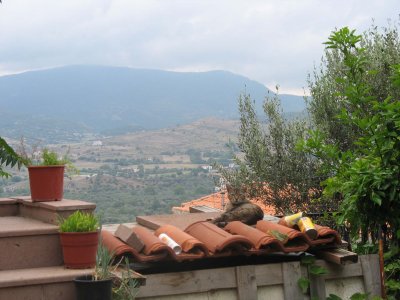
(142, 173)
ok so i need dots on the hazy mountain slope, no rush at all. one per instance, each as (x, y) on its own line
(103, 98)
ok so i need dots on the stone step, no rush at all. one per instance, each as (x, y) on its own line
(52, 211)
(28, 243)
(47, 283)
(8, 207)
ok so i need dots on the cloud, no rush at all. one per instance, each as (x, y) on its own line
(268, 41)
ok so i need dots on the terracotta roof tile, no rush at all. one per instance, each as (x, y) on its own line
(186, 241)
(217, 239)
(259, 239)
(202, 238)
(216, 201)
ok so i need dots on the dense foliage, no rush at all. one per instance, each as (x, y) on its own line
(352, 149)
(367, 175)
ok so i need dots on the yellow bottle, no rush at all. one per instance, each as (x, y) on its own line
(306, 226)
(291, 220)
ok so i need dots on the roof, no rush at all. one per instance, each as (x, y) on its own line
(198, 238)
(218, 201)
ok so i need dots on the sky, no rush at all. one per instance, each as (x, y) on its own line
(270, 41)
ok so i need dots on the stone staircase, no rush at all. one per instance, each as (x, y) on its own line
(31, 262)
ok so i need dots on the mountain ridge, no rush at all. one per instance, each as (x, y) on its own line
(104, 98)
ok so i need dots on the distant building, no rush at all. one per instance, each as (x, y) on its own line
(97, 143)
(208, 168)
(218, 201)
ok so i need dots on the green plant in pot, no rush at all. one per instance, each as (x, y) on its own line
(97, 286)
(79, 236)
(103, 284)
(46, 176)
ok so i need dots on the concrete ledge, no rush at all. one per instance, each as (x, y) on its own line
(8, 207)
(63, 205)
(34, 276)
(51, 212)
(20, 226)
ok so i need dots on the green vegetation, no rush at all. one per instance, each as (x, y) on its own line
(8, 157)
(345, 158)
(121, 196)
(104, 263)
(79, 222)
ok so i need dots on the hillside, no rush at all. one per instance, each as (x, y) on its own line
(144, 172)
(67, 103)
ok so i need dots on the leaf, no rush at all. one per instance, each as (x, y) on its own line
(333, 297)
(358, 296)
(317, 270)
(303, 284)
(307, 260)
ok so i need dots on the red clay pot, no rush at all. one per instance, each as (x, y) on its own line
(46, 183)
(79, 249)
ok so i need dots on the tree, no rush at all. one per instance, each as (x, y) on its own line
(281, 175)
(381, 50)
(8, 157)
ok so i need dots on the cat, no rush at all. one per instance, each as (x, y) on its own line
(239, 208)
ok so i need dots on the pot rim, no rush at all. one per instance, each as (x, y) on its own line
(89, 278)
(49, 166)
(79, 232)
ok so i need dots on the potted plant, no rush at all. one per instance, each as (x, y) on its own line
(46, 176)
(97, 286)
(103, 284)
(79, 235)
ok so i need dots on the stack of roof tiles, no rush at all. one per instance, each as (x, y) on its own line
(202, 239)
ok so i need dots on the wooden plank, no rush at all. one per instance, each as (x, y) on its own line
(181, 221)
(340, 271)
(246, 283)
(317, 287)
(371, 271)
(337, 256)
(188, 282)
(270, 274)
(291, 274)
(120, 272)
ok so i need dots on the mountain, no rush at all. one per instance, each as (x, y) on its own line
(79, 99)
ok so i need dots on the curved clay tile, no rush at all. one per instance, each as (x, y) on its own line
(119, 248)
(257, 237)
(325, 232)
(152, 244)
(186, 241)
(293, 240)
(217, 239)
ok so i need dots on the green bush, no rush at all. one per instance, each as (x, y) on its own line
(79, 222)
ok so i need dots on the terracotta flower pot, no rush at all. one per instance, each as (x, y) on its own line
(46, 183)
(79, 249)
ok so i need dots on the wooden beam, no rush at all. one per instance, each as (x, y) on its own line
(188, 282)
(337, 256)
(246, 283)
(339, 271)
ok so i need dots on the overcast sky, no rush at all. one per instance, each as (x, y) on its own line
(271, 41)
